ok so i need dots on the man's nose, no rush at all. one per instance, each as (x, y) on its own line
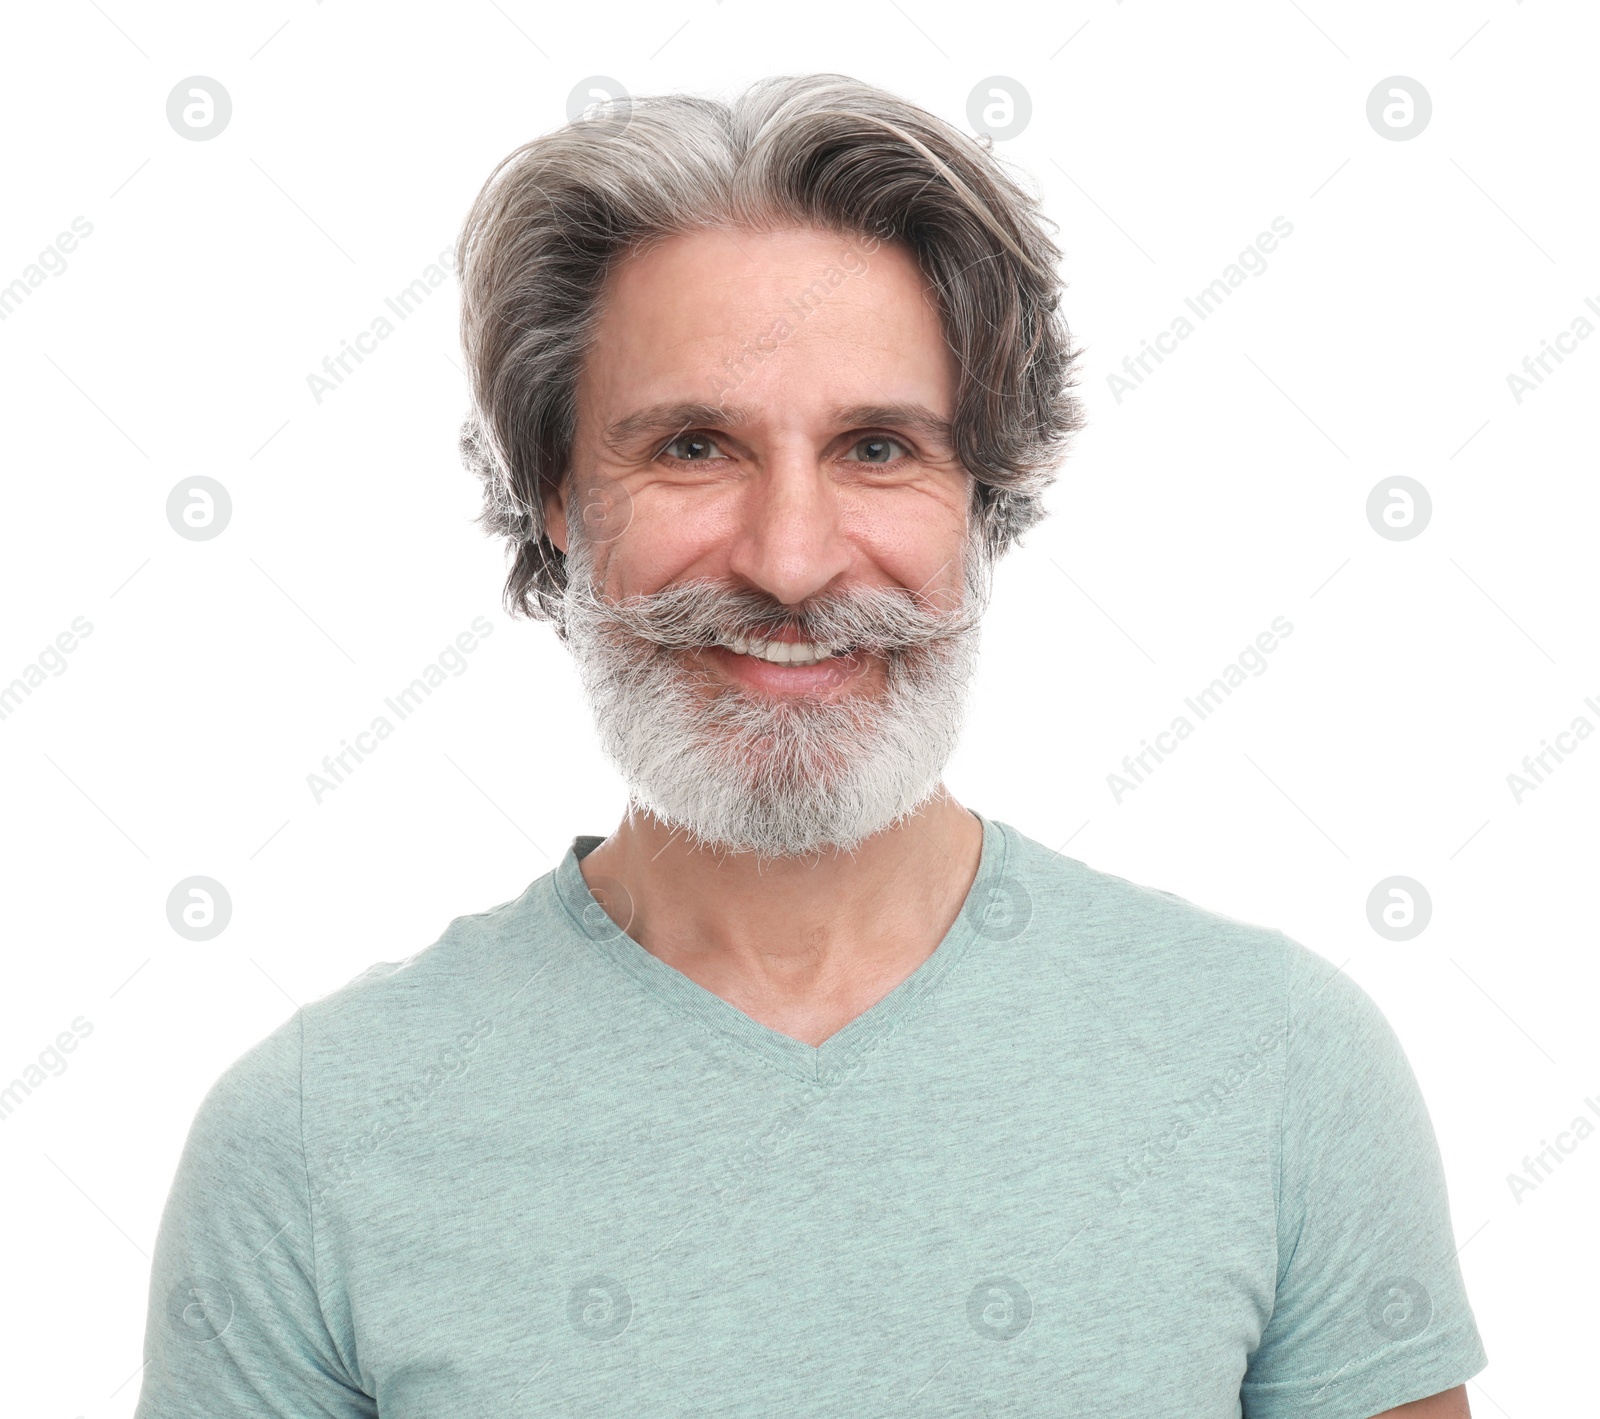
(790, 539)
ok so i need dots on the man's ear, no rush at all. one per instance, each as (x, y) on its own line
(555, 516)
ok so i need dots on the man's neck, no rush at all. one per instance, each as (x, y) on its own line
(802, 945)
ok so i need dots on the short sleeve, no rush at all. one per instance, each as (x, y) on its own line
(1370, 1310)
(235, 1323)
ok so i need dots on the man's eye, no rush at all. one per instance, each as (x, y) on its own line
(692, 448)
(878, 448)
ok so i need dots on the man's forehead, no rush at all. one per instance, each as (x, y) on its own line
(689, 297)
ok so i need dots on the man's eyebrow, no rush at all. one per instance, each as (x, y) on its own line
(675, 418)
(671, 418)
(913, 416)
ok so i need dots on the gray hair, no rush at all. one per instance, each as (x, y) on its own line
(820, 150)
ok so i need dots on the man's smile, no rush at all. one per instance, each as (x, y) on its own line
(786, 667)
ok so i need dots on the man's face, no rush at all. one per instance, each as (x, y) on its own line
(762, 470)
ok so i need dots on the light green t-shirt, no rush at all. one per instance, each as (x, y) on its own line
(1103, 1153)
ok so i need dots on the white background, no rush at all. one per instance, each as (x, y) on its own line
(1228, 489)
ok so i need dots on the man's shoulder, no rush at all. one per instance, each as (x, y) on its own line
(1190, 978)
(480, 964)
(474, 956)
(1150, 933)
(1094, 899)
(398, 1012)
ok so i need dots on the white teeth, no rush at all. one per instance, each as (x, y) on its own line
(782, 652)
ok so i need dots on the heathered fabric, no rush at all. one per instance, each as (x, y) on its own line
(1103, 1153)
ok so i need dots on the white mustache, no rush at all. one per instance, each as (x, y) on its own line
(700, 613)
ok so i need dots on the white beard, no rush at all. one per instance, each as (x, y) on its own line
(781, 778)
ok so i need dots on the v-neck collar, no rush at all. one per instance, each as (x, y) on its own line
(832, 1060)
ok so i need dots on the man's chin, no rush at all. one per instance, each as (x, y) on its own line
(769, 827)
(765, 767)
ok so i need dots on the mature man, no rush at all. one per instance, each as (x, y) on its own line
(808, 1091)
